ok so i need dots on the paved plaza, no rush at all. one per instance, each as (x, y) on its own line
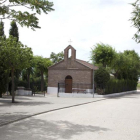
(100, 119)
(27, 106)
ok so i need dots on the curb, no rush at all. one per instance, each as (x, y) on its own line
(115, 94)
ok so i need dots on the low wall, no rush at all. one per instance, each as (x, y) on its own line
(22, 92)
(76, 95)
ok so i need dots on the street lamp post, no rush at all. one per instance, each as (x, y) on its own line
(93, 76)
(93, 79)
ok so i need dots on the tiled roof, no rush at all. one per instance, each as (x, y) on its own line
(87, 64)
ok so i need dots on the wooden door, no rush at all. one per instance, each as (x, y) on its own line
(68, 85)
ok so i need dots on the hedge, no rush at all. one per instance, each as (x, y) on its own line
(116, 86)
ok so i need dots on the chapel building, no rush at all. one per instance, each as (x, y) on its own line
(69, 71)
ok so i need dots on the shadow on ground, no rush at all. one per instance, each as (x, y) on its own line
(7, 101)
(17, 97)
(20, 103)
(37, 129)
(131, 95)
(8, 117)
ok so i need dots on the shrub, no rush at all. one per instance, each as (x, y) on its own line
(115, 85)
(101, 77)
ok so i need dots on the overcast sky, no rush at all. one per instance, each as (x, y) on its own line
(85, 22)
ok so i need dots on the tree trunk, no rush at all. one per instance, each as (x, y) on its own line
(10, 84)
(116, 75)
(0, 95)
(104, 64)
(13, 93)
(10, 87)
(42, 82)
(7, 88)
(29, 80)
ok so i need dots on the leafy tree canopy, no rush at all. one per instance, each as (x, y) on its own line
(3, 78)
(119, 64)
(55, 58)
(101, 77)
(103, 53)
(24, 18)
(15, 55)
(3, 72)
(1, 28)
(132, 54)
(42, 63)
(126, 65)
(136, 19)
(14, 30)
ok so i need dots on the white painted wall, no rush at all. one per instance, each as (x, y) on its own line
(23, 92)
(52, 90)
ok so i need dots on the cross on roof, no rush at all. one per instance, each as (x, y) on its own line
(70, 41)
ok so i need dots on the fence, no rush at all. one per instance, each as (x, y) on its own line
(77, 88)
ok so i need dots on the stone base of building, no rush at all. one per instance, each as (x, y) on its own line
(76, 95)
(54, 91)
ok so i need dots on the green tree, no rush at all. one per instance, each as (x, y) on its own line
(119, 65)
(134, 64)
(26, 73)
(14, 30)
(2, 29)
(15, 56)
(103, 54)
(3, 78)
(101, 76)
(3, 72)
(42, 65)
(126, 65)
(55, 58)
(28, 17)
(136, 19)
(29, 71)
(132, 54)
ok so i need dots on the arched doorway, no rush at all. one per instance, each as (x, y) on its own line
(68, 84)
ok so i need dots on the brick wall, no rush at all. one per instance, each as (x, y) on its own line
(78, 76)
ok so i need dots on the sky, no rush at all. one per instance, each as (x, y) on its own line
(86, 23)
